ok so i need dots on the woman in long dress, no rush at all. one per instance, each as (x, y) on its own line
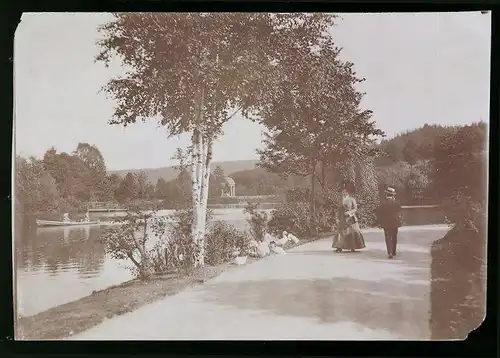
(349, 236)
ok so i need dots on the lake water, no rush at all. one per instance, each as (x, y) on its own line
(60, 265)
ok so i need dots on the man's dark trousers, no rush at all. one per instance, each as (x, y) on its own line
(391, 240)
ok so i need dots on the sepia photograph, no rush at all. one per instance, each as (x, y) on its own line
(250, 176)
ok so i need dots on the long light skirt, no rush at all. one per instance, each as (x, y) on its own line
(349, 238)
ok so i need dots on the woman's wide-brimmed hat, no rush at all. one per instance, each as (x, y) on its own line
(348, 185)
(390, 191)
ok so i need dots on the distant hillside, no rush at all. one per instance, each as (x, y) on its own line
(414, 144)
(169, 173)
(411, 146)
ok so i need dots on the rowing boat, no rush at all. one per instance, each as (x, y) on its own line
(65, 223)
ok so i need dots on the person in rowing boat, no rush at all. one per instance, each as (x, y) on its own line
(66, 218)
(87, 216)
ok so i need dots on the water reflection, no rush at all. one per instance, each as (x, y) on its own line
(58, 265)
(58, 248)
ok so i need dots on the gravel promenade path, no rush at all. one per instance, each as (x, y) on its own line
(308, 293)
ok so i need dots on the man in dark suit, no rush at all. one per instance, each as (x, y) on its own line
(389, 218)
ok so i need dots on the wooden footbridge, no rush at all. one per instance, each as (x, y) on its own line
(103, 207)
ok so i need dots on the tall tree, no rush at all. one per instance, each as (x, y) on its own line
(95, 179)
(144, 188)
(460, 175)
(70, 173)
(190, 71)
(36, 189)
(91, 156)
(317, 122)
(217, 183)
(161, 189)
(128, 189)
(112, 183)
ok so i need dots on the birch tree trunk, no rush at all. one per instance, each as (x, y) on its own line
(206, 176)
(199, 177)
(207, 160)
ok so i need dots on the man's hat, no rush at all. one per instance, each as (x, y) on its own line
(390, 191)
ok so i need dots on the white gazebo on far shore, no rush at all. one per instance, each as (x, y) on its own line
(230, 188)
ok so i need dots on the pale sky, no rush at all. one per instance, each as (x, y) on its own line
(419, 68)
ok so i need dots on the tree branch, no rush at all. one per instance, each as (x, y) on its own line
(131, 257)
(232, 115)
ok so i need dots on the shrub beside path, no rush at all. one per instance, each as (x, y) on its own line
(308, 293)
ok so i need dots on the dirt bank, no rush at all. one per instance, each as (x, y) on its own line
(458, 286)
